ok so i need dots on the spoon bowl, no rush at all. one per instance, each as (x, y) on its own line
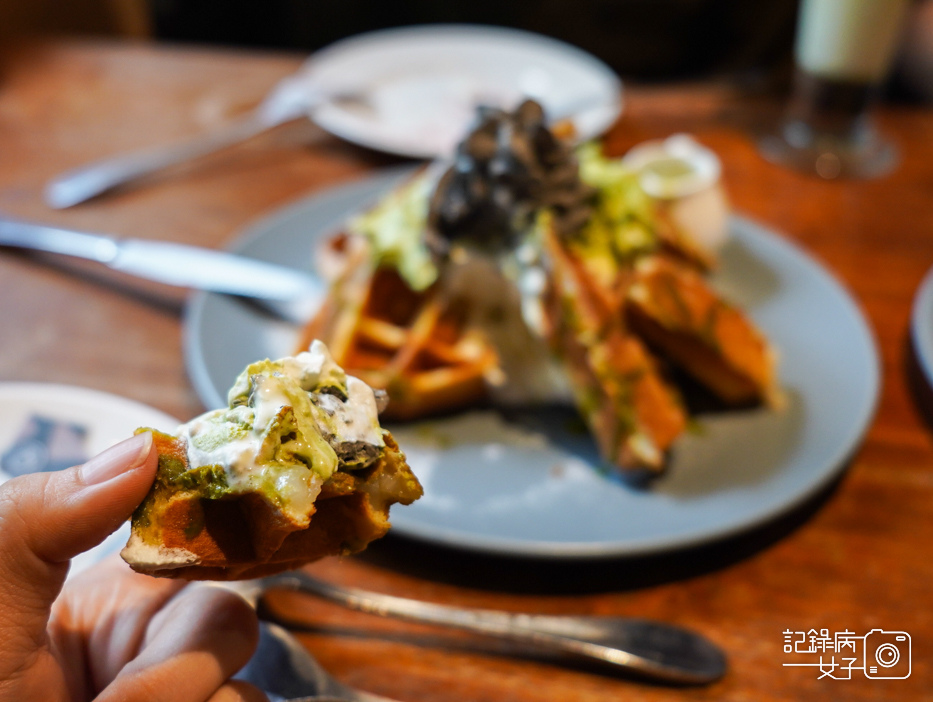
(285, 671)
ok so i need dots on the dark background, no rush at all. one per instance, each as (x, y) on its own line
(750, 41)
(641, 39)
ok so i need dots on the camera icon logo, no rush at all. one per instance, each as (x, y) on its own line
(887, 655)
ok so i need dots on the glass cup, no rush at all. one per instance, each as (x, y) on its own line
(843, 53)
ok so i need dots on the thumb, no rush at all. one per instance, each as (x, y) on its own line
(47, 518)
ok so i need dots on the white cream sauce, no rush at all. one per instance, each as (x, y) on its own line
(353, 420)
(234, 437)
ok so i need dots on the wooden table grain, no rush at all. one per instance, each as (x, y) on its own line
(857, 557)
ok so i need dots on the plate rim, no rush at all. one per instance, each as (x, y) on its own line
(585, 550)
(615, 99)
(31, 387)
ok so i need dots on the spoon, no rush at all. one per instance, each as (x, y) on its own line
(654, 650)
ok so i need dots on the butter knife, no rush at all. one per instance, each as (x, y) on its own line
(291, 293)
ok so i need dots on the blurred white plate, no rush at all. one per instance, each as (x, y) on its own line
(85, 421)
(534, 486)
(921, 325)
(423, 84)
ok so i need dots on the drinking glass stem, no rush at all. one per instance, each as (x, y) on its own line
(836, 109)
(827, 130)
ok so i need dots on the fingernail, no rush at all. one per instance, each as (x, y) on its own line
(116, 460)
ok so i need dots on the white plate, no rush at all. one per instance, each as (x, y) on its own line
(92, 421)
(534, 487)
(921, 325)
(423, 83)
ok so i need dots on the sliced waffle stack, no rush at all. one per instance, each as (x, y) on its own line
(616, 335)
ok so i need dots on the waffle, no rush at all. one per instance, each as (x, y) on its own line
(674, 309)
(418, 346)
(178, 533)
(633, 413)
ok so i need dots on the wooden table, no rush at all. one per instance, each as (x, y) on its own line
(858, 557)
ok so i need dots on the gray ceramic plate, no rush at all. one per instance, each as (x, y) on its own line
(532, 485)
(422, 84)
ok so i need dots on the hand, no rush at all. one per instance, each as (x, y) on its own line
(112, 633)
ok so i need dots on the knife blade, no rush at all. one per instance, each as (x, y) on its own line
(177, 264)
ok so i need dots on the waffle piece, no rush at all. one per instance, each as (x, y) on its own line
(296, 467)
(632, 412)
(673, 308)
(416, 345)
(178, 532)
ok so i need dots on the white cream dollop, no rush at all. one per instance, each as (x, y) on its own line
(687, 175)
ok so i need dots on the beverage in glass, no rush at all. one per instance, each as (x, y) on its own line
(843, 53)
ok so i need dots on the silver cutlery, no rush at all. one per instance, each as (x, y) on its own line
(283, 668)
(292, 98)
(654, 650)
(289, 293)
